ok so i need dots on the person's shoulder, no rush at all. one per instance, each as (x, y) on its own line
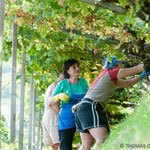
(82, 80)
(52, 85)
(50, 88)
(64, 81)
(114, 69)
(113, 72)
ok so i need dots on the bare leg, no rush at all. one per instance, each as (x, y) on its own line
(56, 146)
(87, 141)
(99, 134)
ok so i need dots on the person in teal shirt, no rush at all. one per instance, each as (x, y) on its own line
(75, 88)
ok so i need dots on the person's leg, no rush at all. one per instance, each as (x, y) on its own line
(99, 134)
(87, 141)
(66, 138)
(56, 146)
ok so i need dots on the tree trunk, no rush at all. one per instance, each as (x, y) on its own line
(41, 143)
(13, 84)
(41, 146)
(30, 114)
(2, 9)
(39, 125)
(34, 118)
(22, 96)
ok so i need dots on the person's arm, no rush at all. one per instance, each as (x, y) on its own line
(58, 95)
(125, 72)
(127, 83)
(48, 93)
(51, 101)
(56, 91)
(85, 84)
(56, 107)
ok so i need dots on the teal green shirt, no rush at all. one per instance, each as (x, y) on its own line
(66, 87)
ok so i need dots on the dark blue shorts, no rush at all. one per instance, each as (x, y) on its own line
(89, 115)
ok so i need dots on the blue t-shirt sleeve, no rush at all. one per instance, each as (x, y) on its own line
(85, 84)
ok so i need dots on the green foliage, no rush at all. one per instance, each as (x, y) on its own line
(133, 130)
(76, 141)
(123, 2)
(43, 36)
(123, 102)
(4, 132)
(40, 32)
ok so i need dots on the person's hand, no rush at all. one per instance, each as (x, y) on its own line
(144, 74)
(61, 96)
(75, 107)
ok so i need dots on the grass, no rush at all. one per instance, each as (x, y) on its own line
(134, 131)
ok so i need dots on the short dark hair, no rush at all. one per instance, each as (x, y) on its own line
(67, 65)
(126, 64)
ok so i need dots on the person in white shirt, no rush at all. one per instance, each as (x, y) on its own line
(50, 118)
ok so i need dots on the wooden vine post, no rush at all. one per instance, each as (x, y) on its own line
(2, 9)
(13, 84)
(22, 97)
